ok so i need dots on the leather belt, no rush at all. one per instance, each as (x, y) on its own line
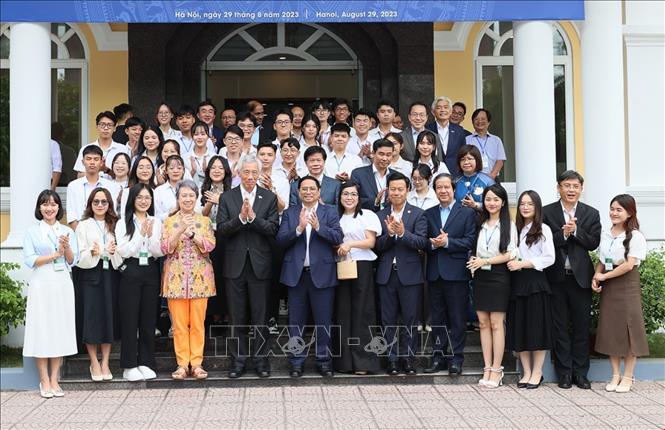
(395, 267)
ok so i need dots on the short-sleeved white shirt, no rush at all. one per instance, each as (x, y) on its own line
(612, 247)
(78, 192)
(345, 164)
(56, 157)
(109, 154)
(354, 229)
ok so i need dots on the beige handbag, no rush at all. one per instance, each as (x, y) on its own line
(347, 269)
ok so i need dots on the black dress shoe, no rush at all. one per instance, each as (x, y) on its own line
(454, 369)
(522, 384)
(409, 368)
(534, 386)
(236, 372)
(263, 371)
(582, 382)
(565, 382)
(326, 371)
(296, 370)
(436, 366)
(392, 368)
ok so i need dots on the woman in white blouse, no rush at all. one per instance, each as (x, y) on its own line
(49, 249)
(165, 200)
(98, 262)
(426, 153)
(398, 163)
(621, 330)
(529, 322)
(138, 243)
(354, 298)
(422, 195)
(497, 238)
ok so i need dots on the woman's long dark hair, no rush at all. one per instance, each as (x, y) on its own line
(110, 218)
(315, 119)
(160, 159)
(535, 233)
(627, 202)
(207, 182)
(504, 216)
(358, 209)
(133, 179)
(129, 209)
(431, 138)
(160, 136)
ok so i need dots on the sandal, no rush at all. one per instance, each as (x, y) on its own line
(179, 374)
(199, 373)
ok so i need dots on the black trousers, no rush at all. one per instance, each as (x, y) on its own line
(244, 293)
(138, 298)
(571, 315)
(448, 300)
(277, 290)
(78, 308)
(354, 317)
(397, 299)
(217, 303)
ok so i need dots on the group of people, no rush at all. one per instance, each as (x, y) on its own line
(359, 225)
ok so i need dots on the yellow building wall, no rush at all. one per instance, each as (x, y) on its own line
(455, 77)
(108, 78)
(4, 226)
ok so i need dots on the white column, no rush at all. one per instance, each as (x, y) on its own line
(603, 104)
(535, 144)
(30, 124)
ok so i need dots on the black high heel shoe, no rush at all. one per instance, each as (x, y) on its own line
(522, 384)
(534, 386)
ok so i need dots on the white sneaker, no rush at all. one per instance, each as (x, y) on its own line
(133, 374)
(147, 372)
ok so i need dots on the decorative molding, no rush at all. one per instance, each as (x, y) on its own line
(107, 39)
(648, 195)
(5, 198)
(453, 40)
(644, 35)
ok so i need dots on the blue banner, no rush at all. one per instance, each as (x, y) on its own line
(288, 11)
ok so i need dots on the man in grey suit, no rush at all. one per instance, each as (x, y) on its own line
(247, 220)
(315, 160)
(417, 120)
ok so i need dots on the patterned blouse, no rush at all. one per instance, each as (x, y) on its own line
(188, 272)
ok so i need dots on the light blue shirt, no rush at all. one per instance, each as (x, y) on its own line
(42, 239)
(491, 150)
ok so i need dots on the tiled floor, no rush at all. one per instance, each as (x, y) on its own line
(341, 407)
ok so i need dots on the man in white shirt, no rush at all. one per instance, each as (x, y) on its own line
(361, 144)
(105, 126)
(340, 162)
(270, 179)
(385, 112)
(56, 164)
(79, 190)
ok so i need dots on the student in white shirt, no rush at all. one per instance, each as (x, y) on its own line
(143, 172)
(422, 195)
(398, 163)
(247, 125)
(164, 118)
(340, 163)
(385, 113)
(289, 166)
(311, 127)
(133, 129)
(426, 153)
(138, 243)
(197, 161)
(232, 151)
(321, 109)
(150, 143)
(184, 119)
(271, 179)
(170, 147)
(165, 194)
(79, 189)
(120, 170)
(105, 126)
(529, 321)
(360, 143)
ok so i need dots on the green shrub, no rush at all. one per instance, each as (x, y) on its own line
(12, 302)
(652, 278)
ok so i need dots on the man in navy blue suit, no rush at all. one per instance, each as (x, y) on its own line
(451, 135)
(452, 231)
(315, 160)
(309, 233)
(372, 179)
(399, 273)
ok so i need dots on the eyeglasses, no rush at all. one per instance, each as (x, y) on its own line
(230, 139)
(308, 189)
(349, 194)
(143, 198)
(288, 150)
(342, 109)
(418, 115)
(575, 187)
(98, 202)
(283, 122)
(105, 125)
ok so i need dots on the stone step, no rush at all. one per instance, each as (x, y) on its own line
(216, 378)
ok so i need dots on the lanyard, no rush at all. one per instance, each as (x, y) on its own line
(469, 185)
(55, 235)
(483, 145)
(191, 144)
(101, 230)
(489, 239)
(612, 244)
(339, 163)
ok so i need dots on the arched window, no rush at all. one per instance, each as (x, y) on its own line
(69, 82)
(494, 91)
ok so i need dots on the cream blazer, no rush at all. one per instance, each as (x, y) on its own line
(87, 233)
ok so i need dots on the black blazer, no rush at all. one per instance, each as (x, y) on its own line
(456, 138)
(329, 192)
(364, 178)
(253, 238)
(577, 246)
(409, 147)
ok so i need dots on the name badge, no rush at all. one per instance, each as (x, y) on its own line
(486, 161)
(478, 191)
(486, 267)
(609, 264)
(59, 264)
(143, 258)
(105, 263)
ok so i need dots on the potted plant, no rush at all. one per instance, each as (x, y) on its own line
(12, 305)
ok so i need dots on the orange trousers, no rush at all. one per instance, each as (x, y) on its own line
(188, 318)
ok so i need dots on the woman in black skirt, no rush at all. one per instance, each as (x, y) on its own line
(497, 238)
(529, 323)
(99, 279)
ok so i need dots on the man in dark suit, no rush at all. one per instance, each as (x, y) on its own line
(451, 228)
(417, 119)
(315, 160)
(576, 231)
(372, 179)
(247, 220)
(399, 274)
(207, 112)
(457, 116)
(451, 136)
(264, 131)
(309, 234)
